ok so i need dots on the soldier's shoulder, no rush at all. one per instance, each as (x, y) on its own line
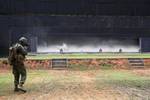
(12, 46)
(17, 46)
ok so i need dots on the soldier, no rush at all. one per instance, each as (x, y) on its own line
(17, 55)
(100, 50)
(120, 50)
(61, 51)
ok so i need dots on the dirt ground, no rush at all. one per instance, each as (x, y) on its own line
(77, 85)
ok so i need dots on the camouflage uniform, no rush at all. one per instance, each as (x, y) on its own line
(18, 65)
(19, 70)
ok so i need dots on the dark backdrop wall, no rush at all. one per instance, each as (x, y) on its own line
(100, 18)
(76, 7)
(15, 26)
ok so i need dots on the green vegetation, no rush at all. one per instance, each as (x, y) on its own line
(5, 83)
(41, 82)
(80, 67)
(106, 66)
(122, 79)
(86, 55)
(6, 80)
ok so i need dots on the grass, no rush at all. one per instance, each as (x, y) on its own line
(45, 81)
(122, 78)
(6, 80)
(81, 67)
(88, 56)
(5, 83)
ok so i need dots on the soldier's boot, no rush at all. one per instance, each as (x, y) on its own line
(21, 85)
(16, 89)
(21, 88)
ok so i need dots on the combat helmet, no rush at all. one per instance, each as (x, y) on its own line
(23, 41)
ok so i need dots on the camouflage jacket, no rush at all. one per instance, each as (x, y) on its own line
(21, 52)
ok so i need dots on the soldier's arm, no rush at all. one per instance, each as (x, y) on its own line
(22, 50)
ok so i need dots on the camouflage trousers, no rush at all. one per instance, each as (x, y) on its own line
(19, 72)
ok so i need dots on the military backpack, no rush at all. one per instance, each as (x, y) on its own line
(12, 55)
